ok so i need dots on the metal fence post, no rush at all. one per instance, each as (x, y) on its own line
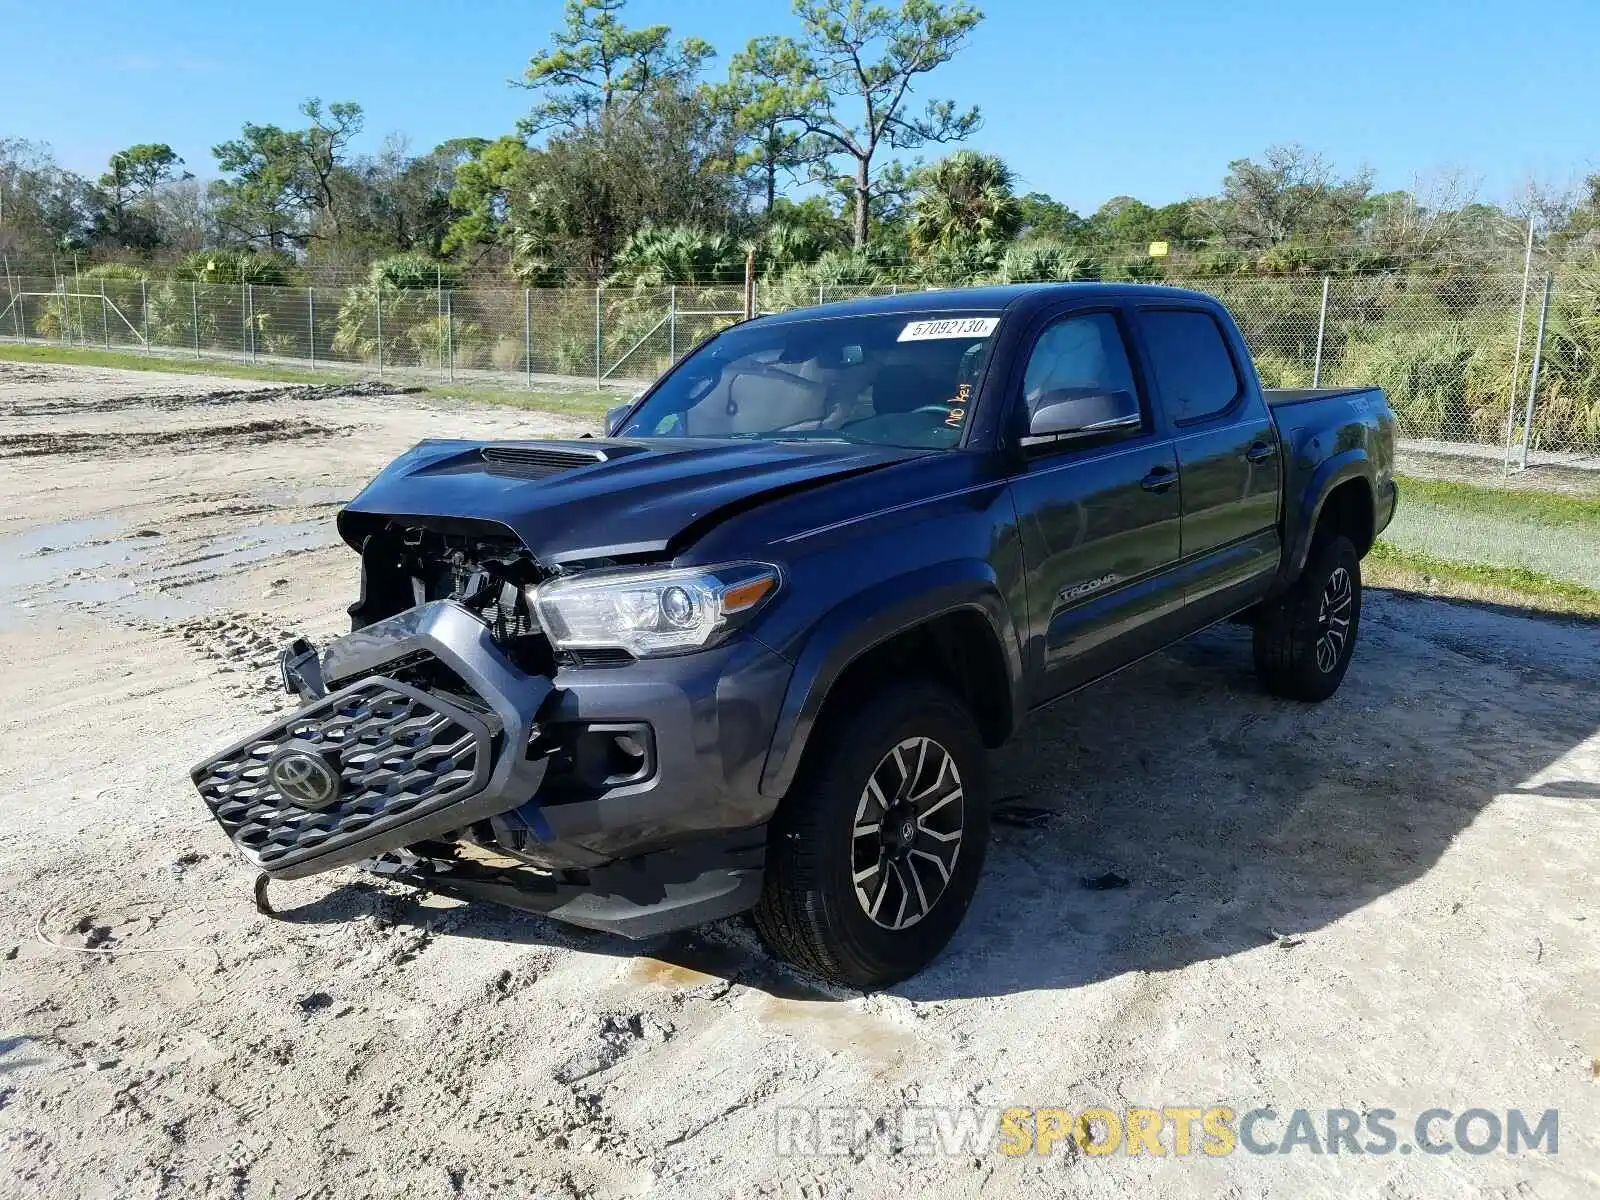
(527, 337)
(1516, 354)
(194, 304)
(66, 315)
(144, 313)
(599, 345)
(450, 334)
(105, 316)
(1322, 325)
(672, 324)
(22, 320)
(438, 302)
(250, 301)
(1533, 377)
(378, 308)
(311, 322)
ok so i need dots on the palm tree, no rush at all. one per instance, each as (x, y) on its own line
(963, 199)
(655, 256)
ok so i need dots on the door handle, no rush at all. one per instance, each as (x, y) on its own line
(1259, 452)
(1159, 479)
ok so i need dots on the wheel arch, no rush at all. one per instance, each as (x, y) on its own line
(949, 622)
(1344, 501)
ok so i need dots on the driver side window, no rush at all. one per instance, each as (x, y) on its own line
(1081, 354)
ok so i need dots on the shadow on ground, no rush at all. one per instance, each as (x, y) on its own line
(1238, 820)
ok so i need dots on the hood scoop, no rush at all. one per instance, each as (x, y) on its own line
(539, 461)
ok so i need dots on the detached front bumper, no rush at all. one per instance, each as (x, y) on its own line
(477, 787)
(379, 764)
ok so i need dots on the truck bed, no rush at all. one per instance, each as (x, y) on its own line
(1283, 397)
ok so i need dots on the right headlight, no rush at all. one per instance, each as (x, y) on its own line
(651, 612)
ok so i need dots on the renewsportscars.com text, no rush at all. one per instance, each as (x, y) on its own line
(1177, 1130)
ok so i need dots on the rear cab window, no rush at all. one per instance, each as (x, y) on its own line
(1194, 371)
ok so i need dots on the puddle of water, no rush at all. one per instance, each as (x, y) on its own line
(81, 563)
(50, 551)
(226, 554)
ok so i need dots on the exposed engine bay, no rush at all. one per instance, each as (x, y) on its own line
(406, 565)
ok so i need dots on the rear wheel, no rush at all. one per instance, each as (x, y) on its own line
(877, 849)
(1304, 640)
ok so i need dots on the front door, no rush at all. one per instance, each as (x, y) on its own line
(1099, 518)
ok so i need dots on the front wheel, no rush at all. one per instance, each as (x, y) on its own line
(877, 849)
(1304, 640)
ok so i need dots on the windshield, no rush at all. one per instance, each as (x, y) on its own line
(905, 379)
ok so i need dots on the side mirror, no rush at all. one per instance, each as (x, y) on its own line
(614, 417)
(1083, 413)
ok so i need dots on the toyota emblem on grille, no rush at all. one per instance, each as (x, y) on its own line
(304, 777)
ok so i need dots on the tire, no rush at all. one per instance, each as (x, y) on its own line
(1305, 639)
(820, 890)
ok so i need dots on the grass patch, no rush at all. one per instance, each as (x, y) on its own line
(577, 403)
(1546, 508)
(81, 356)
(1517, 587)
(572, 404)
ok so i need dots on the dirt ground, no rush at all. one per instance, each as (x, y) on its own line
(1389, 901)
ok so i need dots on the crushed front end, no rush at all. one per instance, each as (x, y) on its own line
(444, 742)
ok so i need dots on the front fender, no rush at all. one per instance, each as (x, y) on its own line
(869, 619)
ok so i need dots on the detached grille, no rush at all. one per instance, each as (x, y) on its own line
(536, 462)
(399, 753)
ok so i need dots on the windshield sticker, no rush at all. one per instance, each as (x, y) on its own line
(963, 327)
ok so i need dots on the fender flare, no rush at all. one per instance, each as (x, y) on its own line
(1331, 473)
(867, 620)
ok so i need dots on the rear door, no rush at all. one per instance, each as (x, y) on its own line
(1228, 454)
(1098, 518)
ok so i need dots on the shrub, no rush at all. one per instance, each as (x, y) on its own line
(413, 271)
(435, 339)
(507, 354)
(1428, 375)
(1044, 262)
(1281, 371)
(235, 267)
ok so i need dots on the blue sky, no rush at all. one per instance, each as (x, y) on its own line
(1085, 100)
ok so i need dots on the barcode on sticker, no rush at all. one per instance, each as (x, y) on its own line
(960, 327)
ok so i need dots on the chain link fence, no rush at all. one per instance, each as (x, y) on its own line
(1489, 366)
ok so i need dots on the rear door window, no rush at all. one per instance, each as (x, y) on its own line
(1194, 371)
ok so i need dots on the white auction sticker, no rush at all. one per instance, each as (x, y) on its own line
(961, 327)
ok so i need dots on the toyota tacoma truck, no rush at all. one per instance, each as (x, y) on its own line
(747, 650)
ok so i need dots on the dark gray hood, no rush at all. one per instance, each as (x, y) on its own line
(603, 497)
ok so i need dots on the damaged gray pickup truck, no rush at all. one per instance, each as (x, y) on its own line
(748, 650)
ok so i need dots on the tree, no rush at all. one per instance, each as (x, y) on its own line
(1292, 193)
(962, 199)
(131, 180)
(845, 84)
(399, 201)
(770, 143)
(597, 61)
(482, 195)
(43, 207)
(285, 186)
(656, 160)
(1047, 218)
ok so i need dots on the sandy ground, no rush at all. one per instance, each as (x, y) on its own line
(1389, 901)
